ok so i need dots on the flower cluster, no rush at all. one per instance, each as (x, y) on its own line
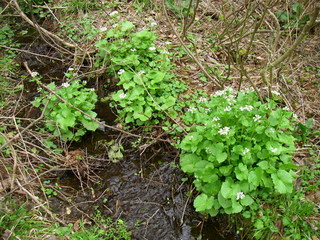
(224, 131)
(246, 107)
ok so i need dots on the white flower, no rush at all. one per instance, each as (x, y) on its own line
(113, 13)
(256, 118)
(122, 95)
(65, 84)
(227, 109)
(274, 150)
(141, 72)
(202, 99)
(168, 43)
(295, 116)
(224, 131)
(286, 108)
(245, 151)
(92, 89)
(165, 52)
(34, 74)
(191, 109)
(84, 82)
(133, 49)
(115, 25)
(103, 29)
(248, 90)
(191, 137)
(230, 100)
(240, 195)
(208, 150)
(219, 93)
(121, 71)
(229, 89)
(215, 119)
(153, 24)
(39, 89)
(246, 107)
(152, 48)
(275, 92)
(70, 69)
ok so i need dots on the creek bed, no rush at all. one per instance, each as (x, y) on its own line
(145, 190)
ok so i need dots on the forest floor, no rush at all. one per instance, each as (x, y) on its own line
(120, 182)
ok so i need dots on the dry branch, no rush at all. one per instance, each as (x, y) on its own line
(28, 20)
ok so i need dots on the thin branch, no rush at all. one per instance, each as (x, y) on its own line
(32, 53)
(188, 51)
(298, 41)
(28, 20)
(36, 200)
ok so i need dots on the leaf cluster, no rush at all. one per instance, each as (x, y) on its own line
(238, 149)
(147, 86)
(64, 120)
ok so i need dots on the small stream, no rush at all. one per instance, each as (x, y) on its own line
(146, 191)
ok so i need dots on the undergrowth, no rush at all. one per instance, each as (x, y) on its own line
(235, 147)
(17, 222)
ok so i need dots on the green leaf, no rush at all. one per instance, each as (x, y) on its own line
(90, 125)
(236, 207)
(283, 181)
(226, 189)
(263, 164)
(225, 203)
(285, 176)
(253, 179)
(188, 161)
(213, 212)
(126, 25)
(259, 224)
(246, 201)
(274, 117)
(51, 86)
(226, 170)
(221, 156)
(203, 202)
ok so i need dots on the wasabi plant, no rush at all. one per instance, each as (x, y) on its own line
(237, 149)
(63, 119)
(148, 91)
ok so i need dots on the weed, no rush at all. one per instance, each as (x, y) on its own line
(293, 18)
(289, 215)
(84, 30)
(24, 224)
(305, 131)
(7, 64)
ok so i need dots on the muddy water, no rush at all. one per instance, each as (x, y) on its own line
(145, 190)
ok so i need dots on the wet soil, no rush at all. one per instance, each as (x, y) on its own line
(148, 194)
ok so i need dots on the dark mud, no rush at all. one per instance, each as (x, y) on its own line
(149, 195)
(146, 191)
